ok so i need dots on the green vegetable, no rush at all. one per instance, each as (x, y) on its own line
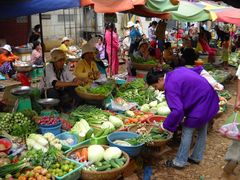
(95, 153)
(100, 133)
(82, 127)
(89, 133)
(141, 139)
(112, 153)
(103, 168)
(116, 121)
(114, 164)
(119, 162)
(12, 168)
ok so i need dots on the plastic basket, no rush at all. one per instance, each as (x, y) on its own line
(76, 144)
(75, 174)
(55, 130)
(99, 140)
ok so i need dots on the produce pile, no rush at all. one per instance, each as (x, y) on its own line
(136, 91)
(219, 75)
(234, 59)
(17, 124)
(104, 89)
(96, 158)
(141, 60)
(225, 94)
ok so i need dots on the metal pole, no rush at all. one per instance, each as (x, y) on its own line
(64, 22)
(41, 28)
(69, 22)
(75, 21)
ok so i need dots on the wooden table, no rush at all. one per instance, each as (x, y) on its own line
(6, 97)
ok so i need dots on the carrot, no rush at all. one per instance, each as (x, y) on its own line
(84, 154)
(78, 154)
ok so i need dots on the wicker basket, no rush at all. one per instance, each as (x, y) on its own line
(149, 127)
(23, 68)
(102, 175)
(90, 96)
(144, 67)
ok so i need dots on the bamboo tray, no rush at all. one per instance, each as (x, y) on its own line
(144, 67)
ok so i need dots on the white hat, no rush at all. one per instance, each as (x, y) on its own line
(88, 48)
(7, 47)
(65, 39)
(130, 24)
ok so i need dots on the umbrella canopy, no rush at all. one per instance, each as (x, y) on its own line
(112, 6)
(190, 12)
(16, 8)
(230, 15)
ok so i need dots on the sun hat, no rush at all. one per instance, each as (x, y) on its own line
(57, 54)
(65, 39)
(130, 24)
(88, 48)
(143, 42)
(7, 47)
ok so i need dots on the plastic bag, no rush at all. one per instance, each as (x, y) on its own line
(116, 105)
(231, 130)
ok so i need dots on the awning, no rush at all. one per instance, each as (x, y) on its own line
(230, 15)
(14, 8)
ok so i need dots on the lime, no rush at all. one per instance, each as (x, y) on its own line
(70, 170)
(57, 165)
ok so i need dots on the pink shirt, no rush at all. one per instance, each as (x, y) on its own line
(36, 55)
(114, 40)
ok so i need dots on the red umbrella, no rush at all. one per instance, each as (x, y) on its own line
(112, 6)
(230, 15)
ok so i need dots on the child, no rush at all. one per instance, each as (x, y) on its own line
(225, 51)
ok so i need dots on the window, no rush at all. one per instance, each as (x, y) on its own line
(46, 16)
(68, 17)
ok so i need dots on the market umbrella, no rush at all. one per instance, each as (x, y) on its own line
(230, 15)
(190, 12)
(112, 6)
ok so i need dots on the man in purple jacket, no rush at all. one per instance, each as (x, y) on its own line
(193, 103)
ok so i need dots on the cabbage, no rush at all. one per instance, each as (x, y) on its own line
(38, 139)
(130, 113)
(81, 127)
(95, 153)
(154, 110)
(116, 121)
(153, 104)
(112, 153)
(164, 110)
(145, 108)
(107, 125)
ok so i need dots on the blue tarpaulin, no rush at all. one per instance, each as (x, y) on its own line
(16, 8)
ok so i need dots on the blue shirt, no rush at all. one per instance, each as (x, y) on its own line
(134, 35)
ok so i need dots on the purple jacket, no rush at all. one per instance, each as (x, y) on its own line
(189, 95)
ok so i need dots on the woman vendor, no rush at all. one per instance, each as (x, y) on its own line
(6, 59)
(193, 103)
(87, 68)
(143, 50)
(65, 46)
(60, 82)
(168, 55)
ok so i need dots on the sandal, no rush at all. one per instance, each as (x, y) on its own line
(193, 161)
(169, 163)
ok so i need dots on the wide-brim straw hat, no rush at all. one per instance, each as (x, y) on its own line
(57, 54)
(88, 48)
(130, 24)
(143, 42)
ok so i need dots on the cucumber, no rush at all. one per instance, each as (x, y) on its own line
(103, 168)
(98, 164)
(99, 133)
(105, 162)
(114, 164)
(108, 169)
(123, 159)
(106, 132)
(119, 162)
(89, 133)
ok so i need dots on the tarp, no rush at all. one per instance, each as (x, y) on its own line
(230, 15)
(14, 8)
(162, 5)
(189, 12)
(112, 6)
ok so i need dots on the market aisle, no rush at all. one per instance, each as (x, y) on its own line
(212, 166)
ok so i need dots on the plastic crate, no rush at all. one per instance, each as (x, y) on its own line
(66, 149)
(99, 140)
(75, 174)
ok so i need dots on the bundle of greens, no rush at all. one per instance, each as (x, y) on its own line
(91, 114)
(141, 60)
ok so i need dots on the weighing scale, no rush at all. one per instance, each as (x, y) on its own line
(23, 69)
(23, 101)
(48, 104)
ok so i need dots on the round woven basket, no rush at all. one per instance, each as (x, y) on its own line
(102, 175)
(90, 96)
(23, 68)
(144, 67)
(148, 127)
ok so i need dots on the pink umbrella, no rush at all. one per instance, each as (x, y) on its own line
(230, 15)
